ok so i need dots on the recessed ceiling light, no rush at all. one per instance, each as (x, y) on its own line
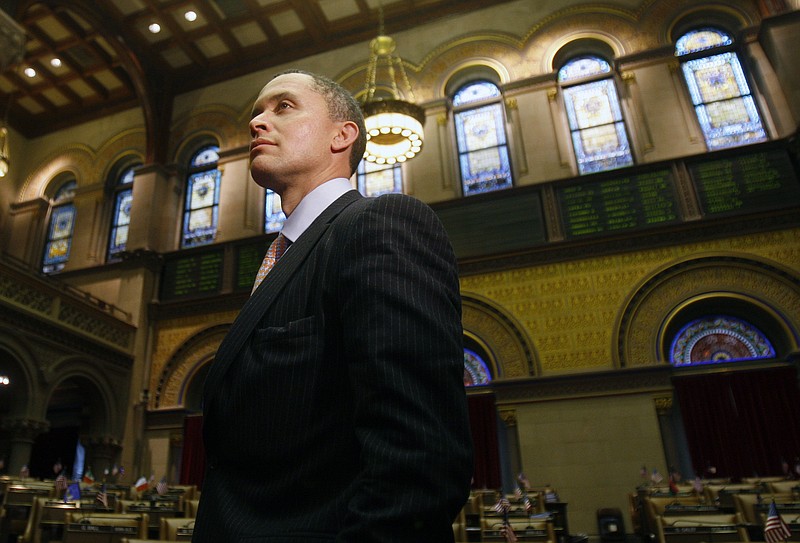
(30, 72)
(55, 62)
(155, 28)
(191, 16)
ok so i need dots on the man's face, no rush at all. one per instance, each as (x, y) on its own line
(291, 133)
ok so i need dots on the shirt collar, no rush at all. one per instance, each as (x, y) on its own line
(314, 203)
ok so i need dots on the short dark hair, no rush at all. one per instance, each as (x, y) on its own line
(342, 106)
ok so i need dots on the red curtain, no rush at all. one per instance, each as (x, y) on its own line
(744, 423)
(193, 460)
(483, 422)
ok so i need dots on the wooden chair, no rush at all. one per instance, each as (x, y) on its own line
(18, 503)
(723, 495)
(191, 508)
(657, 506)
(752, 506)
(701, 528)
(90, 527)
(47, 520)
(785, 487)
(155, 510)
(176, 529)
(761, 480)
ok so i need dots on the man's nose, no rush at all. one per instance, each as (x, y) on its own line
(258, 124)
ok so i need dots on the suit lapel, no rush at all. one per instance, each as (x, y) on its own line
(270, 288)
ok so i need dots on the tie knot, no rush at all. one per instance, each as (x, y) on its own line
(279, 245)
(275, 251)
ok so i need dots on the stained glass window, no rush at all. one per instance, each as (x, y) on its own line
(202, 199)
(721, 96)
(719, 338)
(273, 214)
(599, 138)
(476, 372)
(376, 179)
(123, 198)
(60, 229)
(481, 138)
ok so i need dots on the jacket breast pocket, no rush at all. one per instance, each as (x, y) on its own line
(291, 331)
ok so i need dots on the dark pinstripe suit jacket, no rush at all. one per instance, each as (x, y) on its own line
(335, 408)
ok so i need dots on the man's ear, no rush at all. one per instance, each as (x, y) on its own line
(347, 135)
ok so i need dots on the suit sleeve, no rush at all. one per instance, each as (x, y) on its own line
(401, 316)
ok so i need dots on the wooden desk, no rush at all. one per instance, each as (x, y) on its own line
(95, 533)
(156, 513)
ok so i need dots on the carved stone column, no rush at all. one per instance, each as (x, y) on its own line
(676, 450)
(101, 453)
(22, 433)
(509, 440)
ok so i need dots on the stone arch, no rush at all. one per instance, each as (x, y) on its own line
(512, 352)
(730, 16)
(127, 146)
(18, 365)
(107, 404)
(216, 122)
(76, 159)
(185, 363)
(652, 307)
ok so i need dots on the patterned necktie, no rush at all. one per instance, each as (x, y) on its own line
(275, 251)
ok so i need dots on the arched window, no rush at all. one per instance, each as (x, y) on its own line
(599, 138)
(123, 198)
(719, 338)
(481, 138)
(60, 229)
(202, 198)
(476, 371)
(717, 85)
(273, 214)
(376, 179)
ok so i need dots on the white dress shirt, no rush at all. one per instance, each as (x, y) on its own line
(314, 203)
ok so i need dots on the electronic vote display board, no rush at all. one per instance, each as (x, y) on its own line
(618, 203)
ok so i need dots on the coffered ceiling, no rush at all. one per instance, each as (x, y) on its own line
(93, 57)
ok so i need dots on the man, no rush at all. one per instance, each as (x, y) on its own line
(335, 408)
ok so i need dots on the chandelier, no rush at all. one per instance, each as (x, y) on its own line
(393, 121)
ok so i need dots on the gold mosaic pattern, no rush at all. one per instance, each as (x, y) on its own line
(170, 338)
(569, 310)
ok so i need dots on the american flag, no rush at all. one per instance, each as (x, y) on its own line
(502, 506)
(102, 497)
(656, 477)
(61, 483)
(775, 529)
(162, 487)
(527, 502)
